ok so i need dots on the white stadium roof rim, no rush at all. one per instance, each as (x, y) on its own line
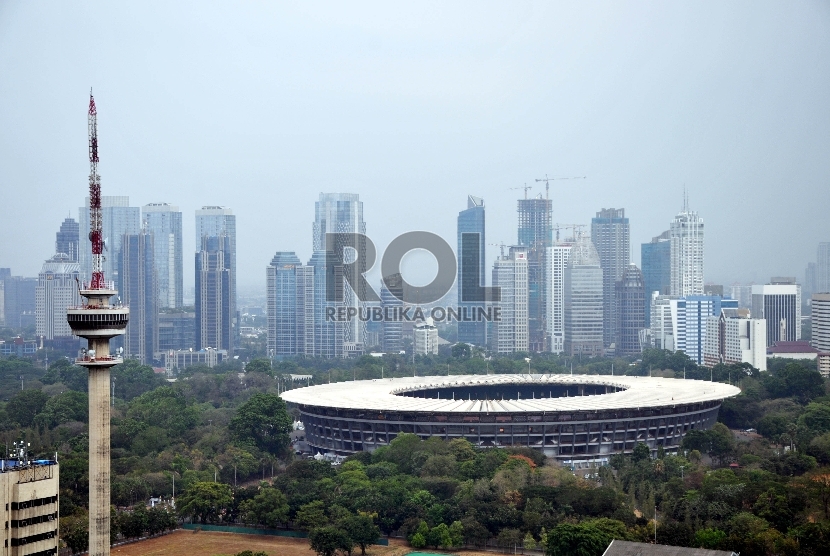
(382, 394)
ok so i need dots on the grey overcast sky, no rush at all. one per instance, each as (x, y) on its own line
(260, 106)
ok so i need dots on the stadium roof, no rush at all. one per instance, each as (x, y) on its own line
(639, 393)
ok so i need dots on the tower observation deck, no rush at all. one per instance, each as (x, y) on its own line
(98, 320)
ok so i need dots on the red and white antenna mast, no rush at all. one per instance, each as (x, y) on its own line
(95, 219)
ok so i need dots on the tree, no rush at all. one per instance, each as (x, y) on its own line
(269, 507)
(312, 516)
(263, 421)
(205, 500)
(259, 366)
(362, 530)
(583, 539)
(25, 405)
(74, 530)
(65, 407)
(326, 541)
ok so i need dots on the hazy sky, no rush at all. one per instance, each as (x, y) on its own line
(262, 106)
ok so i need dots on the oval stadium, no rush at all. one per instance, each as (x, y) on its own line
(578, 420)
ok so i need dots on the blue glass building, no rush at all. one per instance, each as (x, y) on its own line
(471, 246)
(656, 266)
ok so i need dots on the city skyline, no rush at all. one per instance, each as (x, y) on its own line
(718, 107)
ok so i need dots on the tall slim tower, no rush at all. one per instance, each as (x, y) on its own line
(164, 222)
(97, 320)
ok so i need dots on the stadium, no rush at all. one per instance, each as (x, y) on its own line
(578, 420)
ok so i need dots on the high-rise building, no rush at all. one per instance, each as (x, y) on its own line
(164, 222)
(510, 274)
(17, 300)
(742, 294)
(686, 236)
(390, 302)
(425, 338)
(138, 287)
(557, 261)
(691, 314)
(290, 306)
(215, 221)
(67, 239)
(655, 257)
(822, 283)
(215, 304)
(56, 291)
(328, 333)
(820, 322)
(630, 317)
(176, 331)
(611, 235)
(662, 325)
(118, 218)
(779, 303)
(471, 259)
(536, 234)
(343, 213)
(733, 337)
(583, 301)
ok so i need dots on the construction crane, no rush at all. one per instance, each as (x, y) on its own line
(96, 235)
(575, 227)
(526, 187)
(547, 181)
(501, 246)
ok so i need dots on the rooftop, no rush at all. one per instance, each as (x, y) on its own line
(637, 393)
(626, 548)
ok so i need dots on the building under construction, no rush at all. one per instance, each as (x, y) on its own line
(536, 233)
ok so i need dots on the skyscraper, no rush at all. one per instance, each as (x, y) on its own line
(343, 213)
(139, 291)
(164, 222)
(510, 273)
(779, 302)
(290, 306)
(611, 235)
(215, 305)
(471, 258)
(557, 261)
(328, 334)
(583, 301)
(691, 314)
(655, 257)
(536, 234)
(390, 301)
(630, 311)
(216, 222)
(118, 218)
(67, 239)
(17, 300)
(686, 235)
(823, 268)
(56, 291)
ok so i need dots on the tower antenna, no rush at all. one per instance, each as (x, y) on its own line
(96, 235)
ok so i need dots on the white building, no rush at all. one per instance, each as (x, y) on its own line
(583, 301)
(733, 337)
(426, 338)
(557, 258)
(820, 322)
(510, 274)
(779, 303)
(662, 323)
(686, 236)
(57, 289)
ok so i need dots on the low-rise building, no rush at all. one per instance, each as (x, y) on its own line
(801, 350)
(29, 507)
(176, 360)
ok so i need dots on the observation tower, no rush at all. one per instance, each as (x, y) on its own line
(98, 320)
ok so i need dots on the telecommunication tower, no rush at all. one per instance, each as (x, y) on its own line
(98, 320)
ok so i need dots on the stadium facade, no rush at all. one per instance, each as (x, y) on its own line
(578, 420)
